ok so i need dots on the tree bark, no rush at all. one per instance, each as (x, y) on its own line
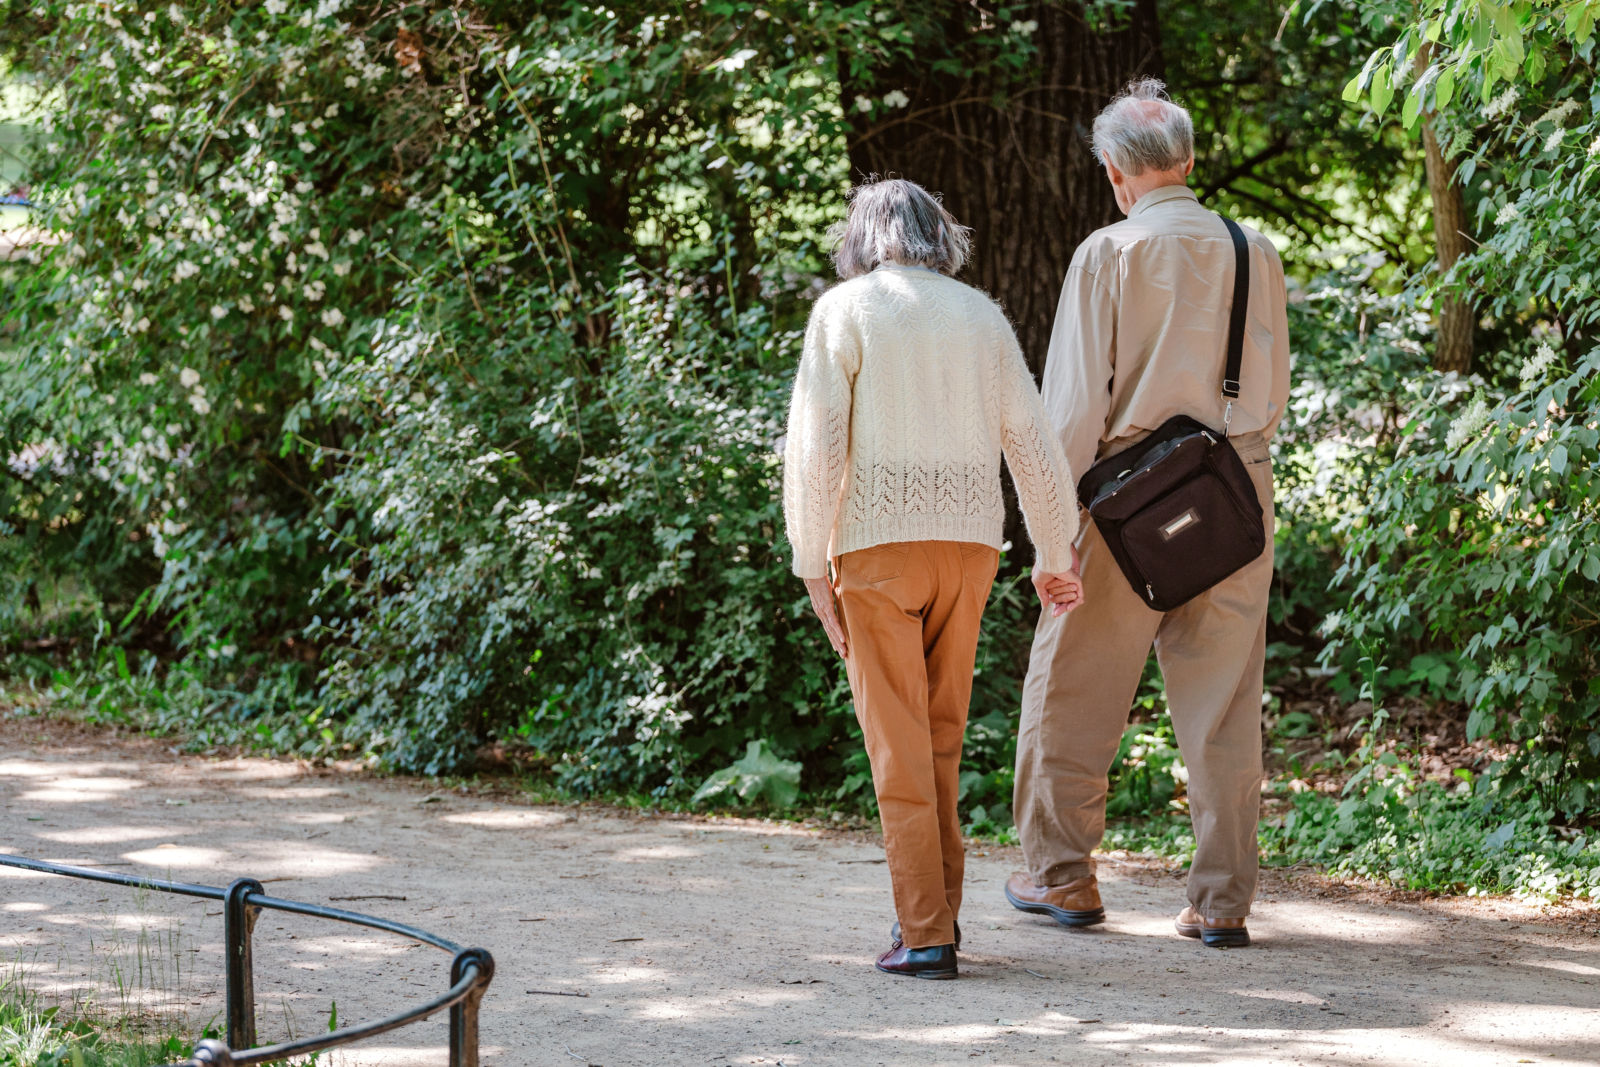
(1010, 151)
(1457, 317)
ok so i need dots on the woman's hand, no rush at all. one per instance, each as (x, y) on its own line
(822, 603)
(1062, 592)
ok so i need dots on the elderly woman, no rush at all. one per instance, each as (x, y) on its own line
(911, 386)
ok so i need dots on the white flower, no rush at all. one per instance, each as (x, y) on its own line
(1559, 114)
(1594, 148)
(274, 111)
(895, 98)
(285, 312)
(863, 105)
(1025, 29)
(1507, 213)
(107, 61)
(1501, 105)
(189, 377)
(148, 379)
(355, 237)
(1553, 142)
(315, 248)
(1468, 425)
(298, 129)
(307, 147)
(200, 404)
(1533, 370)
(185, 269)
(341, 268)
(218, 311)
(352, 82)
(142, 325)
(332, 317)
(276, 7)
(315, 290)
(737, 60)
(330, 111)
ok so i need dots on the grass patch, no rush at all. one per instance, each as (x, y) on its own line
(42, 1037)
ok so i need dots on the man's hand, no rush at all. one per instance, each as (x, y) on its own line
(1059, 592)
(823, 604)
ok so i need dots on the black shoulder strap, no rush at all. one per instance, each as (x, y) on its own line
(1241, 299)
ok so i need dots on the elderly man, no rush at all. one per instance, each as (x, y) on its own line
(1140, 336)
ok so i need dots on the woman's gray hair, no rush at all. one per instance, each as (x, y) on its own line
(896, 221)
(1142, 129)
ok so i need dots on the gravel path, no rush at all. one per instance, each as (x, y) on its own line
(712, 942)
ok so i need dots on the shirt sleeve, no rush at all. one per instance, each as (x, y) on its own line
(817, 449)
(1077, 369)
(1279, 398)
(1040, 471)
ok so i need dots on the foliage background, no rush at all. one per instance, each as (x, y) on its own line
(408, 380)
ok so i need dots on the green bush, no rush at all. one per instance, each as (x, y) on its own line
(1479, 541)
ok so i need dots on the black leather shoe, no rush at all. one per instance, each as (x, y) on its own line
(894, 934)
(937, 962)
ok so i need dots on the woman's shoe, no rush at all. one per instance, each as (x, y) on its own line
(936, 962)
(894, 934)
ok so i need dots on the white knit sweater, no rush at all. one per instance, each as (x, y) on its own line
(910, 386)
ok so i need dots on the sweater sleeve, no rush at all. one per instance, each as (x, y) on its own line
(817, 449)
(1038, 466)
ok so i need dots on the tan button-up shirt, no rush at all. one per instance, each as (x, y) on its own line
(1141, 333)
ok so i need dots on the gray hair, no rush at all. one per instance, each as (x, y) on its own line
(1142, 129)
(896, 221)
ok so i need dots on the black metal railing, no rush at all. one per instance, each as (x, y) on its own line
(242, 901)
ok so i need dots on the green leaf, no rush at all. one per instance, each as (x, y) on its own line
(1352, 89)
(1412, 108)
(1444, 90)
(760, 776)
(1558, 460)
(1382, 90)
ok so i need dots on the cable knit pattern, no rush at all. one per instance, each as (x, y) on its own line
(910, 388)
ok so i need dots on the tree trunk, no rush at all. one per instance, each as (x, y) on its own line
(1010, 151)
(1457, 317)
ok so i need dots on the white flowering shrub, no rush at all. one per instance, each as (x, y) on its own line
(409, 377)
(1481, 539)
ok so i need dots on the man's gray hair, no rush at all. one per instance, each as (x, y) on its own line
(896, 221)
(1142, 129)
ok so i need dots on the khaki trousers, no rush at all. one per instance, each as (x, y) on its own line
(1083, 674)
(911, 612)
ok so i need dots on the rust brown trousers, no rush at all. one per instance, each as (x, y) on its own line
(1082, 677)
(911, 612)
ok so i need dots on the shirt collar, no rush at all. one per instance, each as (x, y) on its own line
(1160, 196)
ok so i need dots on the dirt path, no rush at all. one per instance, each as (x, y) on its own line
(727, 941)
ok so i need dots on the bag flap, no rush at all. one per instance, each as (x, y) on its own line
(1159, 470)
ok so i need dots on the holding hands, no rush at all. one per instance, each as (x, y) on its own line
(1059, 592)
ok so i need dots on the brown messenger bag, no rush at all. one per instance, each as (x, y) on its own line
(1178, 510)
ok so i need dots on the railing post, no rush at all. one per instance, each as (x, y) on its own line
(464, 1013)
(238, 921)
(212, 1053)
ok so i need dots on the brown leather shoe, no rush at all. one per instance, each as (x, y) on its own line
(936, 962)
(1217, 933)
(1075, 904)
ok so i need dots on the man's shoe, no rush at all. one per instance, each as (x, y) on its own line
(894, 934)
(1217, 933)
(936, 962)
(1075, 904)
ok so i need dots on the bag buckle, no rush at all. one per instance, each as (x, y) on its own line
(1227, 417)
